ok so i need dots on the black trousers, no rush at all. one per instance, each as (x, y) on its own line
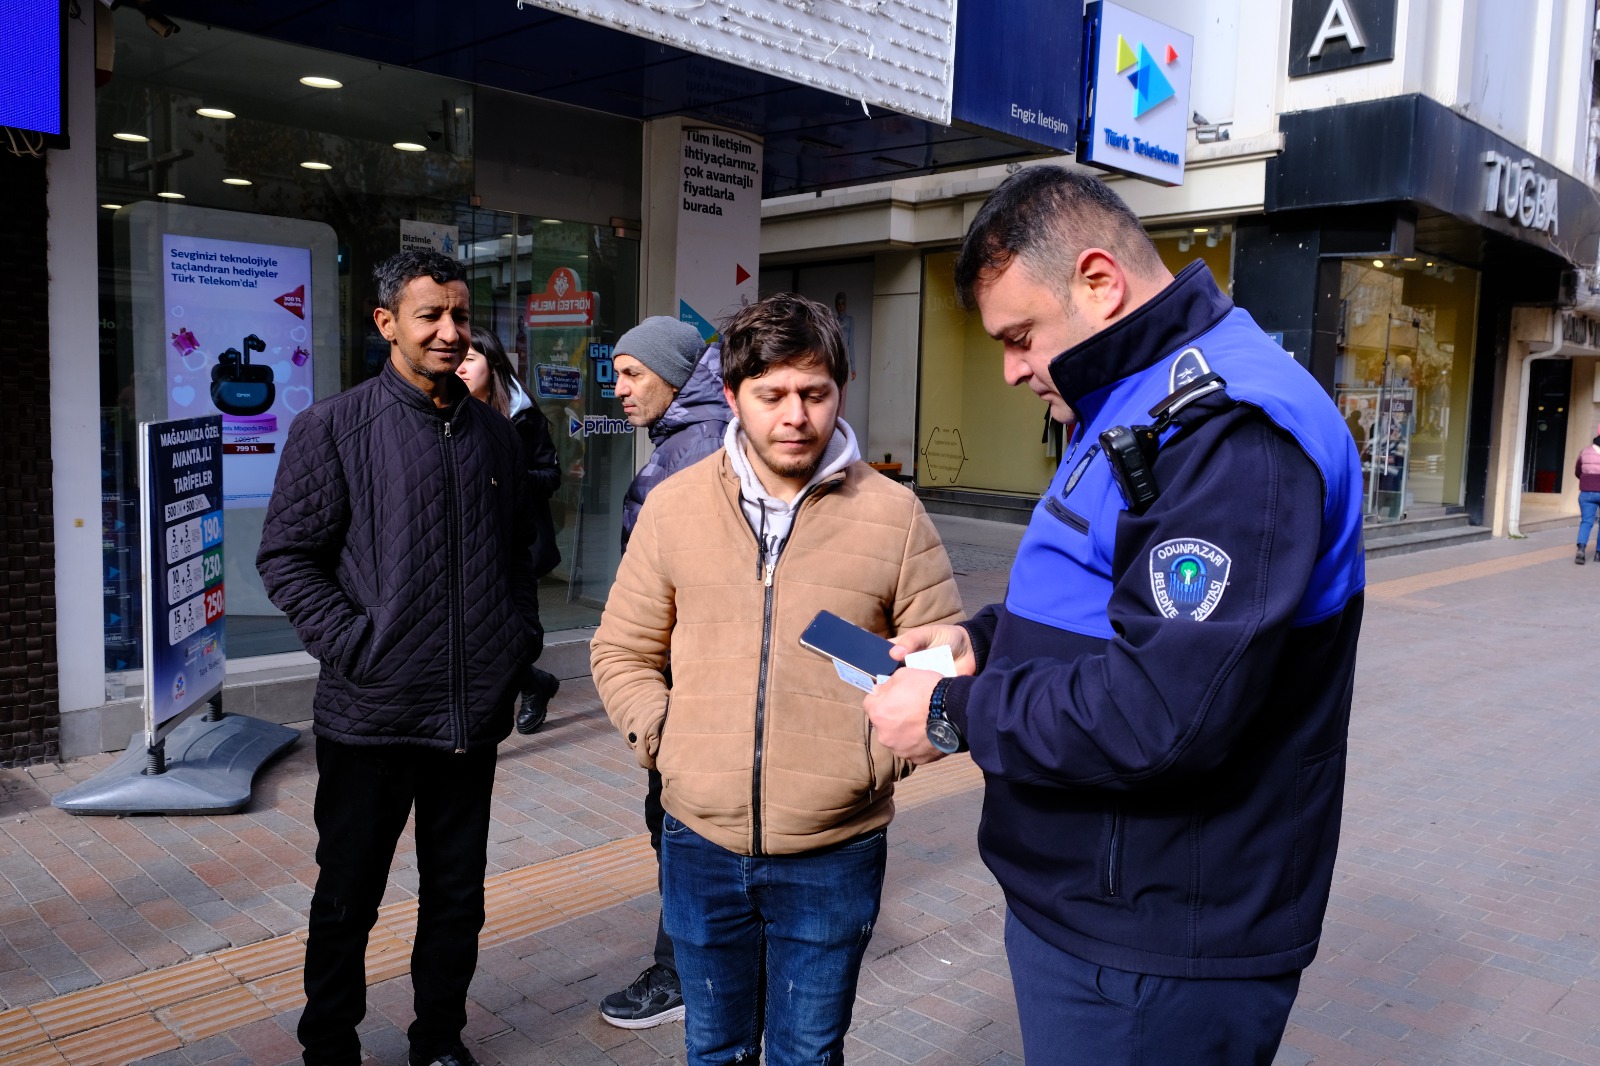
(654, 814)
(364, 795)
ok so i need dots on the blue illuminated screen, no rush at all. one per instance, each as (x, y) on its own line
(30, 66)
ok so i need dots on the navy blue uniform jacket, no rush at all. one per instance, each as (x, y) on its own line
(1163, 699)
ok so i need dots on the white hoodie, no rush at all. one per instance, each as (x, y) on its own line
(771, 518)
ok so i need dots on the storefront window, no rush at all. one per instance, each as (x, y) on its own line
(1405, 336)
(229, 153)
(1211, 242)
(975, 431)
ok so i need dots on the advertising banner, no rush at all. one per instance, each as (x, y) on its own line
(888, 53)
(238, 323)
(1136, 114)
(719, 226)
(181, 475)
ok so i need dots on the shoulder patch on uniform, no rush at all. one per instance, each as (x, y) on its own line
(1189, 365)
(1188, 577)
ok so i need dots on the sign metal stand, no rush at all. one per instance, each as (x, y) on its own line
(189, 763)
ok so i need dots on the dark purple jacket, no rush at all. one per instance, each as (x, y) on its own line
(690, 430)
(397, 543)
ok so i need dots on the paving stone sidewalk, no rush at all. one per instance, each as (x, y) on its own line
(1462, 930)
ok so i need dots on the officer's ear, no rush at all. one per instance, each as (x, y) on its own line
(1099, 287)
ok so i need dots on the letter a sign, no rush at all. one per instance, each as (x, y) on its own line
(1327, 35)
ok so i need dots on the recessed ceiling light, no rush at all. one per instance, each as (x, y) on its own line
(314, 165)
(112, 207)
(505, 236)
(1202, 229)
(410, 146)
(136, 138)
(1411, 259)
(171, 195)
(237, 181)
(321, 83)
(1378, 263)
(214, 112)
(551, 221)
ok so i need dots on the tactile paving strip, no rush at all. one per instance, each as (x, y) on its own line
(164, 1009)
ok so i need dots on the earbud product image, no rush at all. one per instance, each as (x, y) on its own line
(240, 387)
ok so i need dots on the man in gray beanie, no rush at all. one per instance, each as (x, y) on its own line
(670, 383)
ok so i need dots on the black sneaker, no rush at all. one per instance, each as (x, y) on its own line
(653, 999)
(457, 1056)
(1579, 560)
(536, 702)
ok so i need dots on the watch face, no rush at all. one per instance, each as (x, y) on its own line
(944, 736)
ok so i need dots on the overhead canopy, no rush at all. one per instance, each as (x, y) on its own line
(814, 139)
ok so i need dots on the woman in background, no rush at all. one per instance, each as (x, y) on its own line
(488, 374)
(1587, 471)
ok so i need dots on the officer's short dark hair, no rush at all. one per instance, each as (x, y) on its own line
(783, 328)
(399, 270)
(1043, 217)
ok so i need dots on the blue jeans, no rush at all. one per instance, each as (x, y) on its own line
(1075, 1013)
(768, 942)
(1588, 504)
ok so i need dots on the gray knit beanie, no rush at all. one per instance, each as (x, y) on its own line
(665, 345)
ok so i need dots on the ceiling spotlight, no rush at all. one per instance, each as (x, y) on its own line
(1411, 259)
(317, 82)
(136, 138)
(112, 207)
(237, 181)
(214, 112)
(171, 195)
(1185, 243)
(312, 164)
(409, 146)
(1378, 263)
(1213, 236)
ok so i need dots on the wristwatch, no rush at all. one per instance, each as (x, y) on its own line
(942, 733)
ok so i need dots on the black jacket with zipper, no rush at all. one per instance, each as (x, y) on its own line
(397, 543)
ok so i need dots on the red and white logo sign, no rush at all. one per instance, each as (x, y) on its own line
(294, 302)
(563, 304)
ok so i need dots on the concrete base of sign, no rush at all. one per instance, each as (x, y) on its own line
(210, 768)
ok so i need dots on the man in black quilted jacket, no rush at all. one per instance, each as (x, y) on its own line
(397, 544)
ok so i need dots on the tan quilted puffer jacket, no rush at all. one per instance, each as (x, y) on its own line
(763, 750)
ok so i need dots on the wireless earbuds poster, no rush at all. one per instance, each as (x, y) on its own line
(238, 324)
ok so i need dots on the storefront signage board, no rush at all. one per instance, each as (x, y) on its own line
(32, 93)
(564, 303)
(1327, 35)
(239, 344)
(181, 479)
(1029, 94)
(434, 236)
(1136, 94)
(897, 54)
(719, 225)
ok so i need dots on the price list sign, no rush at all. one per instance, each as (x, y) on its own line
(181, 477)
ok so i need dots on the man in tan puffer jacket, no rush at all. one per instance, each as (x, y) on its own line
(777, 792)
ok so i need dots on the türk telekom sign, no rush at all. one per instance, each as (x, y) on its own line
(1136, 113)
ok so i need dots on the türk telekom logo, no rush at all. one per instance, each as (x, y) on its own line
(294, 302)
